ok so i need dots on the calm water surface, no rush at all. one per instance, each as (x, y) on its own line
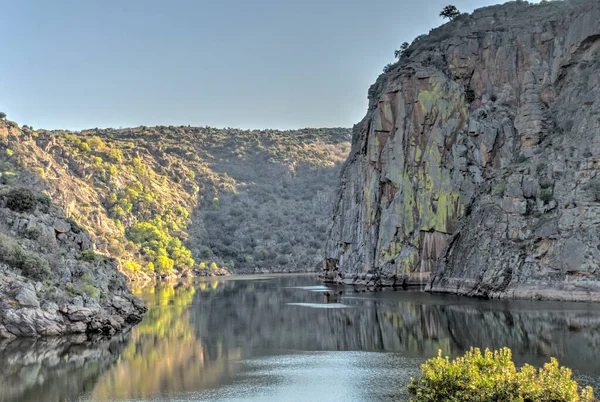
(288, 338)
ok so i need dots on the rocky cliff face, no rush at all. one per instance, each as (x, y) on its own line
(477, 165)
(51, 281)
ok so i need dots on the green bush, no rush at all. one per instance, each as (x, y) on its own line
(30, 264)
(164, 265)
(492, 377)
(546, 195)
(21, 200)
(88, 256)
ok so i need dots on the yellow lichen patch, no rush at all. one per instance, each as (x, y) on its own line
(427, 98)
(448, 206)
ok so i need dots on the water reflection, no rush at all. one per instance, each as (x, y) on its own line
(267, 339)
(211, 339)
(57, 369)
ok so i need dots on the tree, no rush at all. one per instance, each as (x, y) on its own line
(402, 51)
(2, 115)
(164, 265)
(450, 12)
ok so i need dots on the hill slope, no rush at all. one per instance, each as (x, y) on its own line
(168, 200)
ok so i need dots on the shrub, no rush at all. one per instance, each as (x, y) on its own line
(2, 115)
(30, 264)
(149, 268)
(164, 265)
(96, 143)
(131, 266)
(493, 377)
(403, 51)
(21, 200)
(91, 291)
(88, 256)
(388, 67)
(32, 232)
(546, 195)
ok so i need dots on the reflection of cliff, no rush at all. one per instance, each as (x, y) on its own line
(568, 335)
(54, 370)
(255, 317)
(164, 355)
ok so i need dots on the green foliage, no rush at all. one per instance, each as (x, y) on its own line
(96, 143)
(21, 200)
(164, 265)
(149, 268)
(450, 12)
(30, 264)
(132, 266)
(2, 115)
(86, 283)
(116, 155)
(546, 195)
(32, 232)
(91, 291)
(84, 146)
(88, 256)
(493, 377)
(403, 51)
(149, 180)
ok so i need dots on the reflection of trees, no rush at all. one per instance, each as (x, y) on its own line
(57, 369)
(255, 317)
(193, 337)
(164, 355)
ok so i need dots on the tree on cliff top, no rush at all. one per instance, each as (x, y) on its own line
(450, 12)
(402, 51)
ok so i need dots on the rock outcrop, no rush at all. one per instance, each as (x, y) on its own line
(477, 167)
(51, 280)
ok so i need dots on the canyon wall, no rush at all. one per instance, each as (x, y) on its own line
(476, 168)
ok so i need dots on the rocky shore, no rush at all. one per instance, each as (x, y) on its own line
(51, 280)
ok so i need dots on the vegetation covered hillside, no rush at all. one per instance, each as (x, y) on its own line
(168, 200)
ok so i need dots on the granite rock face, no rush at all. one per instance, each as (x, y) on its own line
(477, 167)
(52, 282)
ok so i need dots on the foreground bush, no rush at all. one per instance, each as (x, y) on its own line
(492, 377)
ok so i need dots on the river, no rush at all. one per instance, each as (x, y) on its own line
(289, 338)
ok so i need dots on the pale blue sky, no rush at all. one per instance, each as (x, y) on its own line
(283, 64)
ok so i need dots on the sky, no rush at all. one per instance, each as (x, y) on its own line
(75, 64)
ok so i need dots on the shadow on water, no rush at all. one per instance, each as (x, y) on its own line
(283, 337)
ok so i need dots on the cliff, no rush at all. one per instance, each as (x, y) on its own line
(167, 201)
(476, 168)
(51, 281)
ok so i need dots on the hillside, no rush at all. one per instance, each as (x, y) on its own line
(173, 200)
(477, 166)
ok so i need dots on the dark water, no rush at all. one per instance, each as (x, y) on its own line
(283, 338)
